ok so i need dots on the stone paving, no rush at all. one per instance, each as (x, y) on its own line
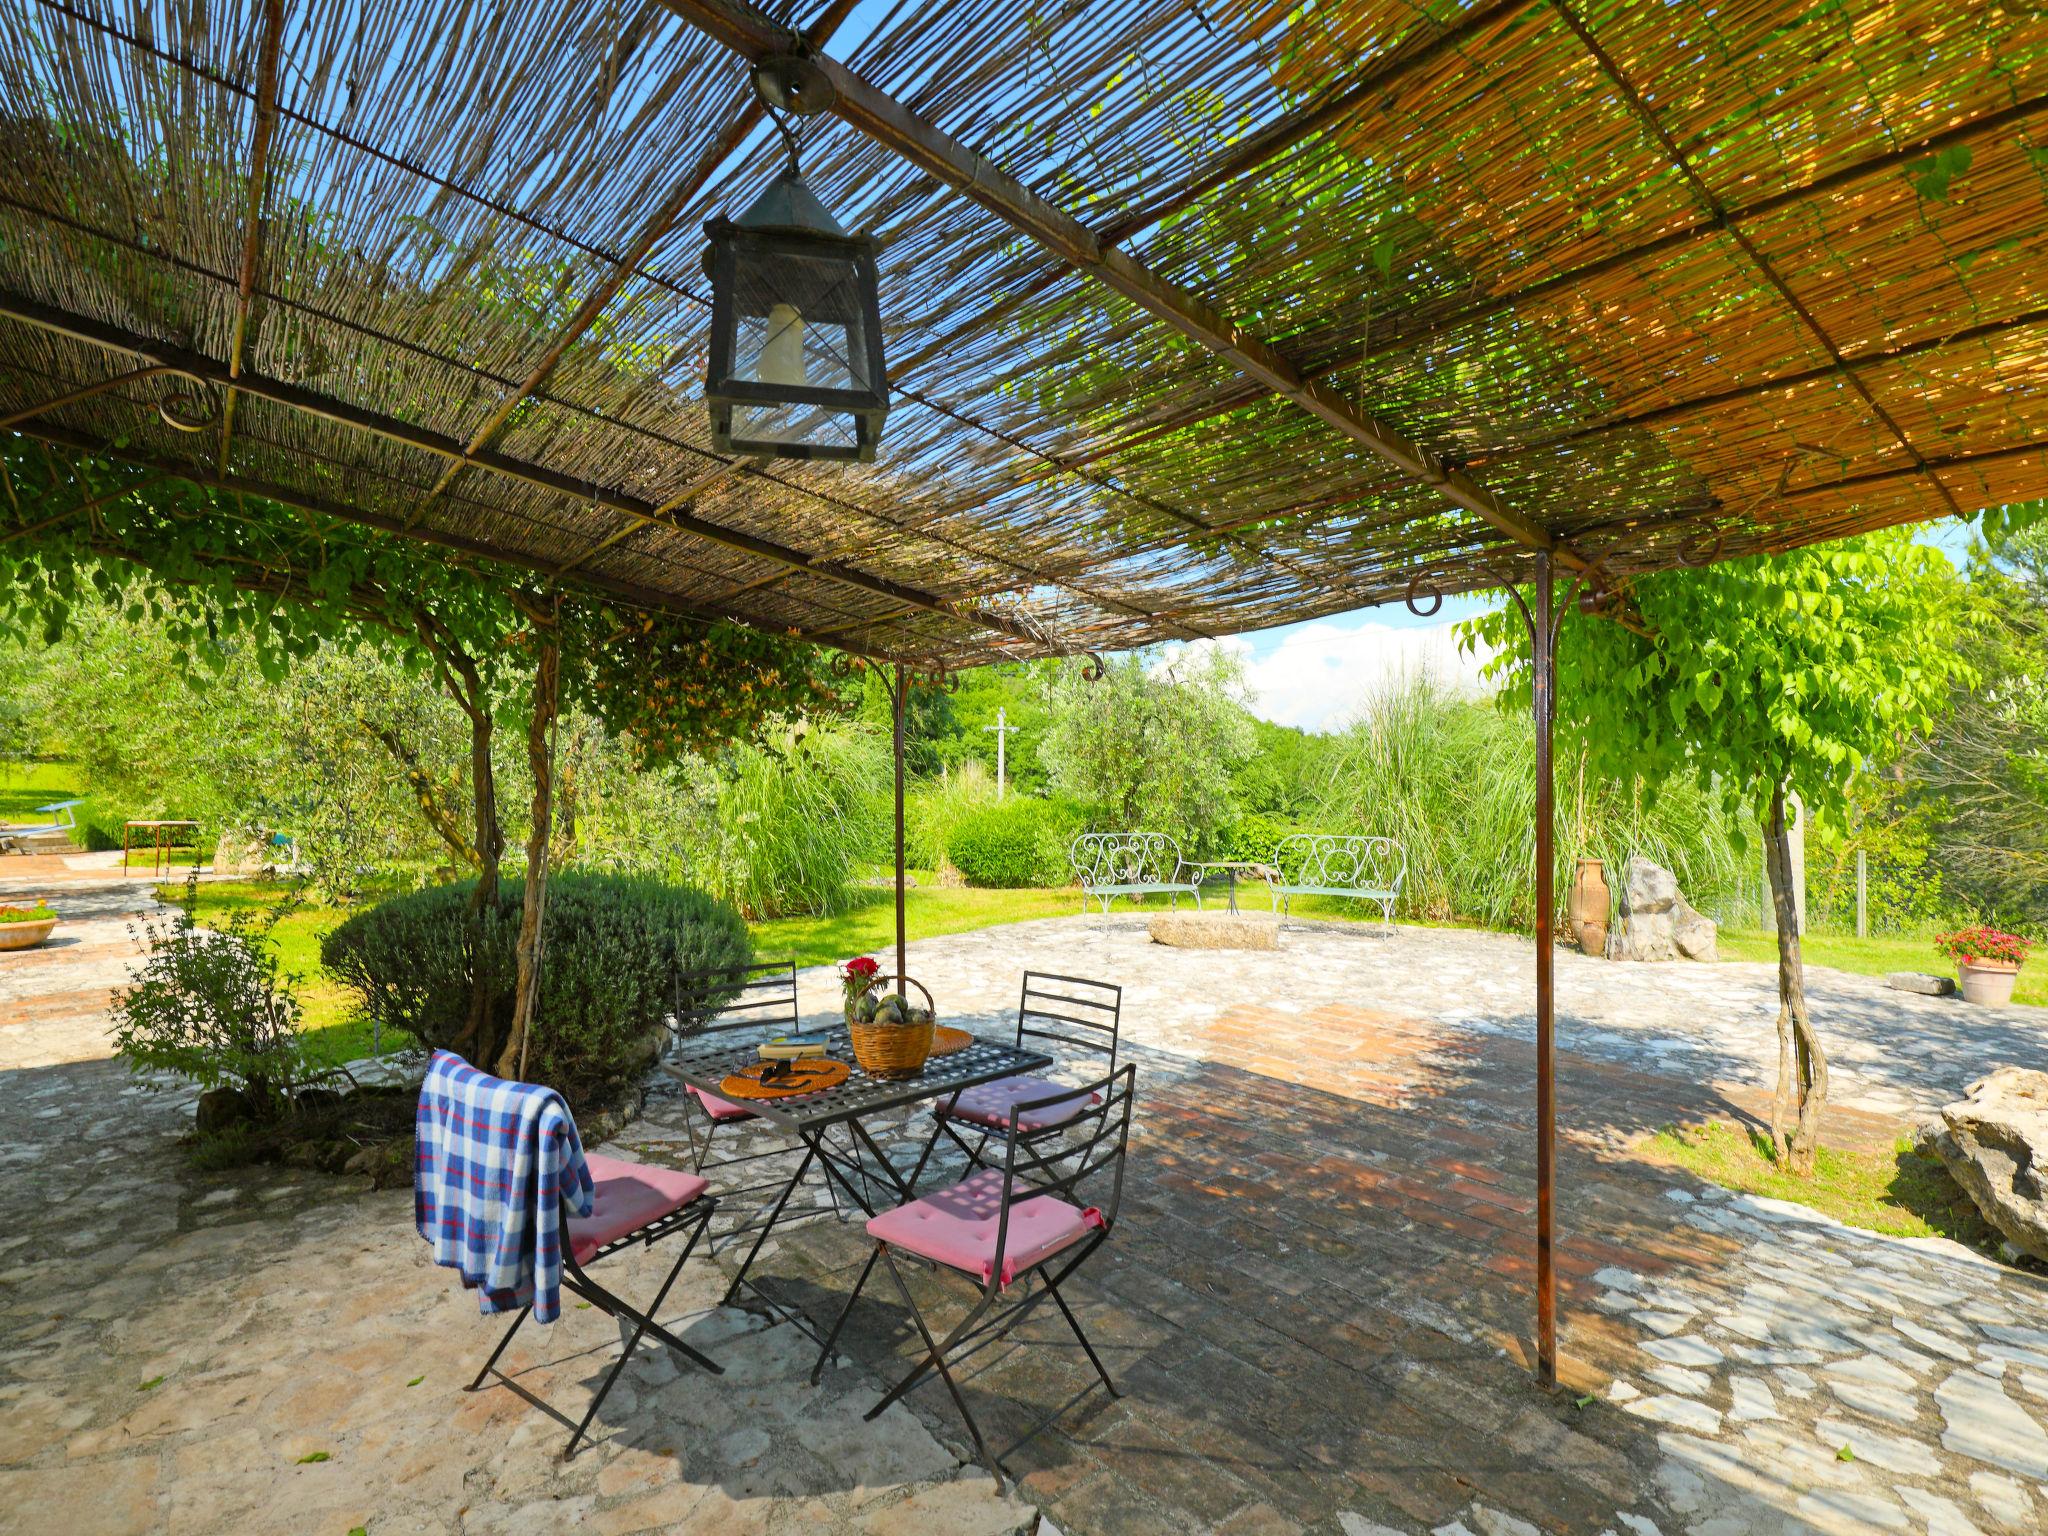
(1316, 1300)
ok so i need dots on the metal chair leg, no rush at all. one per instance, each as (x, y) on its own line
(1075, 1323)
(480, 1375)
(643, 1323)
(935, 1359)
(844, 1313)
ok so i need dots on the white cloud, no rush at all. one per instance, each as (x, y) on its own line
(1318, 674)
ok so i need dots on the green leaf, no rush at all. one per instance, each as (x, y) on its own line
(1845, 1454)
(311, 1457)
(151, 1385)
(418, 1379)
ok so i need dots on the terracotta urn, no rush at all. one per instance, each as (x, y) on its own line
(1588, 904)
(1984, 981)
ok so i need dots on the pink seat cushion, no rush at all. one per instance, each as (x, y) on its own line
(992, 1104)
(720, 1109)
(957, 1227)
(629, 1196)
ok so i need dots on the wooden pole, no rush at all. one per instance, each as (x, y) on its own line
(1544, 677)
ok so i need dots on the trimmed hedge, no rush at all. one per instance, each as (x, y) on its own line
(1012, 843)
(612, 946)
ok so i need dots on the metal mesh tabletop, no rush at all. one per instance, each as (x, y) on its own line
(706, 1064)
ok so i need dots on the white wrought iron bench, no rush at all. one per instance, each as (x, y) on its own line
(1323, 864)
(1112, 864)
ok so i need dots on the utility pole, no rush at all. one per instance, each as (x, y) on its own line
(1002, 731)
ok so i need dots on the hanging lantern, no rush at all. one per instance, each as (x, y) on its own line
(796, 331)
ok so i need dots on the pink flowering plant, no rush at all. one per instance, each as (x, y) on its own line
(1976, 945)
(856, 976)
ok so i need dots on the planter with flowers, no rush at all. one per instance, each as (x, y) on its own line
(25, 927)
(1987, 962)
(891, 1036)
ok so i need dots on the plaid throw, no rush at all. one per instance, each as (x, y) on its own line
(494, 1162)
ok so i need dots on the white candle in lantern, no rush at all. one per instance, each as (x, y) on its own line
(782, 354)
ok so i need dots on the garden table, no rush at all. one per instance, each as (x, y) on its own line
(163, 838)
(1251, 869)
(705, 1064)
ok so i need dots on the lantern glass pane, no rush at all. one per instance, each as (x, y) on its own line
(798, 321)
(814, 426)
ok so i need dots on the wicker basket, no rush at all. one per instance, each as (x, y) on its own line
(892, 1050)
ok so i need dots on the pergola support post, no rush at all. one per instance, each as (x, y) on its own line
(1543, 644)
(540, 756)
(899, 691)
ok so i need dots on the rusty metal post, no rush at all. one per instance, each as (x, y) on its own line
(1543, 636)
(899, 690)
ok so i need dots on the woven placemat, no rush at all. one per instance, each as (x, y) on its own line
(813, 1074)
(946, 1040)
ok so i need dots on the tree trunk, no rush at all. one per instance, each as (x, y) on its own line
(547, 691)
(463, 682)
(1802, 1090)
(426, 792)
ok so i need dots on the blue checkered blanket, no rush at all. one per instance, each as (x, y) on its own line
(494, 1162)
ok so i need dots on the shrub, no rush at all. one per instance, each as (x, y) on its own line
(611, 949)
(937, 808)
(41, 912)
(215, 1007)
(1252, 839)
(1012, 843)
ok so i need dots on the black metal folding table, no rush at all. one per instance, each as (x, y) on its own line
(705, 1065)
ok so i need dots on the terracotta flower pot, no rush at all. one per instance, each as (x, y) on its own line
(1587, 905)
(1987, 981)
(27, 935)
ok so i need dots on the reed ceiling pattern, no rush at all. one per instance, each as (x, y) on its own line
(1644, 282)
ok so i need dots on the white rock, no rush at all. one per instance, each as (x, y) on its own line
(1622, 1392)
(1617, 1279)
(1684, 1351)
(1663, 1323)
(1641, 1525)
(1681, 1411)
(2007, 1502)
(1797, 1382)
(1676, 1378)
(1894, 1455)
(1753, 1399)
(1943, 1516)
(1358, 1525)
(1982, 1422)
(1839, 1510)
(1929, 1338)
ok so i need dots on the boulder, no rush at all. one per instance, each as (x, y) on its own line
(1654, 921)
(1994, 1142)
(1215, 930)
(243, 852)
(1921, 982)
(219, 1108)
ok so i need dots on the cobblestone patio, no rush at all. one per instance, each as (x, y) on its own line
(1316, 1304)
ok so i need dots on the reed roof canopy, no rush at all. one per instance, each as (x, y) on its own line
(1200, 315)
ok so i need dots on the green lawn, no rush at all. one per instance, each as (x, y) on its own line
(330, 1017)
(1873, 957)
(24, 786)
(928, 911)
(1895, 1191)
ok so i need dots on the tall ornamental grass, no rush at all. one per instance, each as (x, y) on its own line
(1453, 780)
(795, 819)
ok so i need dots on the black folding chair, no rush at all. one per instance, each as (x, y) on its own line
(759, 997)
(1022, 1221)
(1078, 1017)
(636, 1203)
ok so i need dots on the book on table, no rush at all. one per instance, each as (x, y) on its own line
(796, 1047)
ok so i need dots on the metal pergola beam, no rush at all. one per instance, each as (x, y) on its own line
(295, 397)
(754, 35)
